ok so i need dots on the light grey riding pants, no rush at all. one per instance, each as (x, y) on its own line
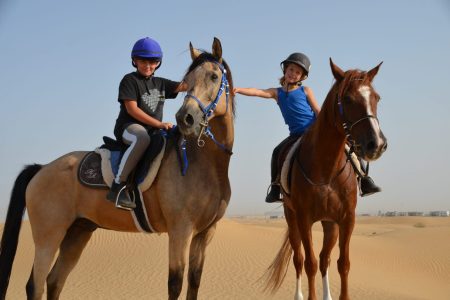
(137, 138)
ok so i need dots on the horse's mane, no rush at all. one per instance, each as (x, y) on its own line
(206, 56)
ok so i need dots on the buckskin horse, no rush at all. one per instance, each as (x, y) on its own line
(64, 213)
(323, 185)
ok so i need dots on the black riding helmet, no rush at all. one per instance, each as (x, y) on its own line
(299, 59)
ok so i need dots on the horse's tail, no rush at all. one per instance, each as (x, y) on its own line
(11, 229)
(276, 272)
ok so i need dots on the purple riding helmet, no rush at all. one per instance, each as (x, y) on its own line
(147, 48)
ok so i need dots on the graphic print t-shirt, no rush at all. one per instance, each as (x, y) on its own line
(149, 93)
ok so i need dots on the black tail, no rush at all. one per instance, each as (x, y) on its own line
(12, 226)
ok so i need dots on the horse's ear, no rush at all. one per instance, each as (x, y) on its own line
(194, 52)
(371, 74)
(337, 72)
(217, 49)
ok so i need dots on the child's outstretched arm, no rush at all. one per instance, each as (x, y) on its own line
(267, 93)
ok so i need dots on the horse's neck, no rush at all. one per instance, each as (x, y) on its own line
(324, 142)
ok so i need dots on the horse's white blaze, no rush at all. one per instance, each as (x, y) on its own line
(298, 289)
(365, 92)
(326, 287)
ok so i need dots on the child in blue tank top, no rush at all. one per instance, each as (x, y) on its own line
(299, 109)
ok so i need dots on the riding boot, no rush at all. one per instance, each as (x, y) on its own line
(274, 194)
(367, 186)
(118, 194)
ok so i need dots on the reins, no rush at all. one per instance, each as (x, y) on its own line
(302, 170)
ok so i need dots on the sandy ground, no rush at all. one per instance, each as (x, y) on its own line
(391, 258)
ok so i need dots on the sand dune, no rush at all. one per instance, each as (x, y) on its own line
(391, 258)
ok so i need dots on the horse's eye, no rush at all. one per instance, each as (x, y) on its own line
(214, 77)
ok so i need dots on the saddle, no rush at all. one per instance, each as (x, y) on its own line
(99, 167)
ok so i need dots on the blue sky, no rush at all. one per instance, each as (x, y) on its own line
(61, 63)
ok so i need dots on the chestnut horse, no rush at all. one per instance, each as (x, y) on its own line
(323, 184)
(63, 213)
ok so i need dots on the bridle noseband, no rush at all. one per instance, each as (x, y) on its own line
(209, 110)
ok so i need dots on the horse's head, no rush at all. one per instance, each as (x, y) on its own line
(209, 80)
(356, 108)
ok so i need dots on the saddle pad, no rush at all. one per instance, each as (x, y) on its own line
(287, 167)
(89, 172)
(95, 171)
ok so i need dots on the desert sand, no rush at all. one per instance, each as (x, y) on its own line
(391, 258)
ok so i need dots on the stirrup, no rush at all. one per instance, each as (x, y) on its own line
(123, 200)
(120, 197)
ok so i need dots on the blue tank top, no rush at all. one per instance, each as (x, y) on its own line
(296, 111)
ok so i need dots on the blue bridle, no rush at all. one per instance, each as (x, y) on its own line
(209, 110)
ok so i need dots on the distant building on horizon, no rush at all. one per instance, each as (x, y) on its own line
(437, 213)
(440, 213)
(275, 214)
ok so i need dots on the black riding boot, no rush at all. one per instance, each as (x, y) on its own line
(367, 186)
(118, 194)
(274, 194)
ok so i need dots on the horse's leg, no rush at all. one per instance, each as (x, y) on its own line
(50, 217)
(296, 243)
(345, 233)
(310, 259)
(330, 235)
(46, 246)
(197, 259)
(70, 251)
(179, 242)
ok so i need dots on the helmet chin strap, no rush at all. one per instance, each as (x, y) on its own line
(289, 85)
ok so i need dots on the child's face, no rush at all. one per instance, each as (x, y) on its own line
(293, 74)
(146, 67)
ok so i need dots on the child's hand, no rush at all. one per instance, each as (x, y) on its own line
(166, 125)
(235, 91)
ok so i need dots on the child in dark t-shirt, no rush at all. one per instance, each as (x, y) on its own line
(141, 97)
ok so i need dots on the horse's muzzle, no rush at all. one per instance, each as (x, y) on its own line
(188, 120)
(372, 148)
